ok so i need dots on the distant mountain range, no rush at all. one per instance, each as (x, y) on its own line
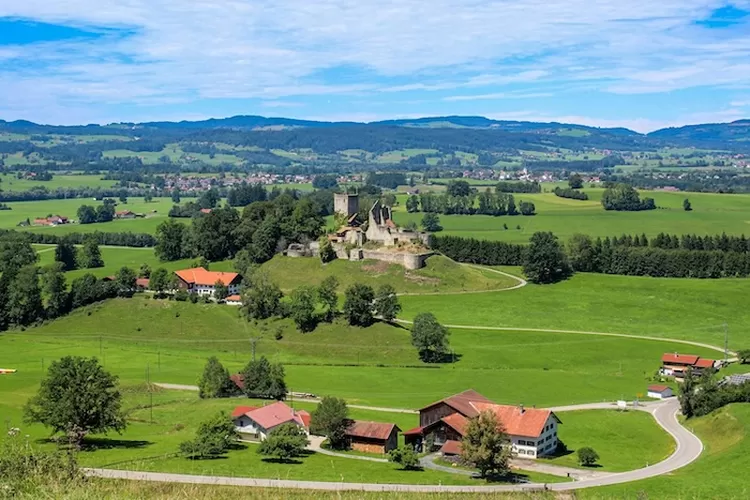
(715, 135)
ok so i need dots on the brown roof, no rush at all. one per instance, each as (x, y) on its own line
(370, 430)
(201, 276)
(462, 402)
(658, 388)
(417, 431)
(457, 422)
(518, 421)
(305, 416)
(142, 282)
(234, 298)
(704, 363)
(238, 380)
(451, 448)
(680, 359)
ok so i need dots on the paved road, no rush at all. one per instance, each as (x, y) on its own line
(688, 449)
(317, 441)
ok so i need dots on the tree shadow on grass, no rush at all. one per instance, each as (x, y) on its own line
(93, 444)
(511, 477)
(282, 461)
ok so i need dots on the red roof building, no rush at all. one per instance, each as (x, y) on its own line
(259, 422)
(532, 432)
(372, 437)
(203, 282)
(676, 365)
(679, 359)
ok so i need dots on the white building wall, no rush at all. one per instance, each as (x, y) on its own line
(210, 289)
(545, 444)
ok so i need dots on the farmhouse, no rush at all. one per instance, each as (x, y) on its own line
(256, 423)
(657, 391)
(52, 220)
(372, 437)
(234, 300)
(442, 425)
(203, 282)
(676, 365)
(124, 214)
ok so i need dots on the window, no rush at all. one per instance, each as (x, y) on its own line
(522, 452)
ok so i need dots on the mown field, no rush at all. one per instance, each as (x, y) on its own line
(712, 214)
(11, 183)
(688, 309)
(375, 365)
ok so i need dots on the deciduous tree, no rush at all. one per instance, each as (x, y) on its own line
(285, 442)
(213, 438)
(328, 297)
(485, 445)
(221, 291)
(545, 260)
(387, 305)
(77, 397)
(431, 222)
(330, 418)
(215, 381)
(302, 308)
(260, 297)
(264, 379)
(405, 456)
(429, 337)
(169, 240)
(125, 279)
(90, 256)
(65, 254)
(587, 456)
(358, 304)
(53, 284)
(24, 297)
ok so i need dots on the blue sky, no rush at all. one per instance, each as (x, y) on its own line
(642, 64)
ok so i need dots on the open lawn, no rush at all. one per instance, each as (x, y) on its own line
(688, 309)
(156, 212)
(712, 214)
(624, 440)
(375, 365)
(439, 275)
(719, 473)
(11, 183)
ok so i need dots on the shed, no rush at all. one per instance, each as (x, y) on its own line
(660, 391)
(372, 437)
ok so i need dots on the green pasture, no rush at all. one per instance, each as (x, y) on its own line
(175, 155)
(688, 309)
(156, 212)
(718, 473)
(439, 275)
(712, 214)
(11, 183)
(402, 154)
(375, 365)
(624, 440)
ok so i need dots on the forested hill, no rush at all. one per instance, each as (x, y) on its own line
(461, 133)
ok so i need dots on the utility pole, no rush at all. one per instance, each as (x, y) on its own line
(253, 341)
(726, 344)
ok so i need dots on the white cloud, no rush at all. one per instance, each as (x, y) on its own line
(270, 50)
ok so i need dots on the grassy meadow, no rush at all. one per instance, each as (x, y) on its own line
(712, 214)
(11, 183)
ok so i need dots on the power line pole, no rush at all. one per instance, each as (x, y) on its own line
(726, 344)
(253, 341)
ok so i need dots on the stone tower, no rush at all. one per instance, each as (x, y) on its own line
(345, 203)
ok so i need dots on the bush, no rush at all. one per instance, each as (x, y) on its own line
(587, 456)
(405, 456)
(181, 296)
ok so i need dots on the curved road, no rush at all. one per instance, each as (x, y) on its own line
(688, 449)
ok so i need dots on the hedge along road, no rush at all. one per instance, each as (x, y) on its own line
(688, 449)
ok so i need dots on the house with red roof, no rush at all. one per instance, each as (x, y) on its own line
(256, 423)
(531, 432)
(233, 300)
(676, 365)
(372, 437)
(203, 282)
(125, 214)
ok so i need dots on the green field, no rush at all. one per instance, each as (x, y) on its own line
(712, 214)
(156, 212)
(510, 367)
(687, 309)
(11, 183)
(439, 275)
(175, 155)
(613, 434)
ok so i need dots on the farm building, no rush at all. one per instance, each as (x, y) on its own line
(372, 437)
(234, 300)
(676, 365)
(660, 391)
(52, 220)
(532, 432)
(256, 423)
(203, 282)
(124, 214)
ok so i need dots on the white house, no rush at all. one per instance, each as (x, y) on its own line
(256, 423)
(660, 391)
(234, 300)
(203, 282)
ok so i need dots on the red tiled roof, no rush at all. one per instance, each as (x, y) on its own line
(142, 282)
(238, 380)
(241, 410)
(200, 276)
(205, 210)
(234, 298)
(451, 448)
(704, 363)
(528, 422)
(457, 422)
(305, 416)
(370, 430)
(274, 415)
(123, 212)
(462, 402)
(658, 388)
(682, 359)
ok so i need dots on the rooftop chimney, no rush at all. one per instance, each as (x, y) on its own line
(520, 407)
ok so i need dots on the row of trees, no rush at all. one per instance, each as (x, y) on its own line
(518, 187)
(87, 257)
(258, 379)
(123, 239)
(264, 228)
(571, 193)
(101, 213)
(701, 396)
(482, 203)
